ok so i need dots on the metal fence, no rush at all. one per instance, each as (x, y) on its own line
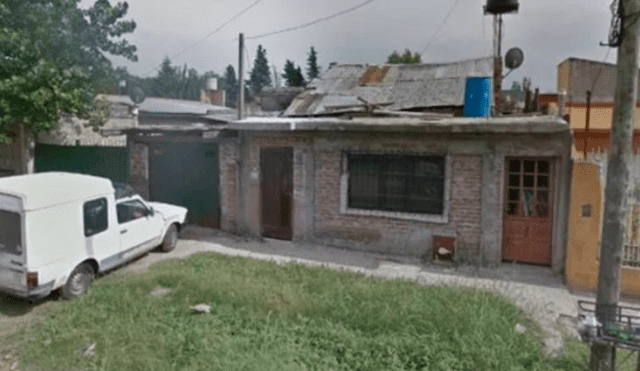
(631, 251)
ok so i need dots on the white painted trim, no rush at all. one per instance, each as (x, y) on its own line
(344, 189)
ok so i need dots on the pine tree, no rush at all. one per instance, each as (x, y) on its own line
(293, 75)
(406, 58)
(260, 76)
(313, 70)
(231, 86)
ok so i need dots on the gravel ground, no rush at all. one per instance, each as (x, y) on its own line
(534, 289)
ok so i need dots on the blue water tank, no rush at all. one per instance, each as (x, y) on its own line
(477, 97)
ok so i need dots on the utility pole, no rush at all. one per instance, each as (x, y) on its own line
(241, 78)
(616, 189)
(497, 61)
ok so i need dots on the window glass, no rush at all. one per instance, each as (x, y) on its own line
(10, 233)
(131, 210)
(402, 183)
(95, 217)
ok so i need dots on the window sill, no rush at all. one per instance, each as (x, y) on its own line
(441, 219)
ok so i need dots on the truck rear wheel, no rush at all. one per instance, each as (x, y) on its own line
(170, 239)
(79, 281)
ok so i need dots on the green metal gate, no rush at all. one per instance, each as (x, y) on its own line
(187, 174)
(109, 162)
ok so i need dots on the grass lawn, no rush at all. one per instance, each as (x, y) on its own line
(270, 317)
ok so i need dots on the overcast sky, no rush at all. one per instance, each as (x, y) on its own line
(548, 31)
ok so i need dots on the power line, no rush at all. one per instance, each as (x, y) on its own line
(211, 33)
(310, 23)
(440, 27)
(593, 85)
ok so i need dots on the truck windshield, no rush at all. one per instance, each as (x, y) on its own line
(10, 233)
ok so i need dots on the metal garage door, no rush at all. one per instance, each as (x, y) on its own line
(187, 174)
(109, 162)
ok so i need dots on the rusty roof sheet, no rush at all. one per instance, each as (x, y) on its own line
(405, 86)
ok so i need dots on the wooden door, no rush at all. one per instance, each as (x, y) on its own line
(528, 218)
(276, 167)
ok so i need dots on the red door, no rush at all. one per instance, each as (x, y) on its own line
(527, 217)
(276, 167)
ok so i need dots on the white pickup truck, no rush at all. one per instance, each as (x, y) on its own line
(57, 230)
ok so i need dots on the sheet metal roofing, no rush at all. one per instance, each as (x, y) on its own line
(166, 105)
(51, 188)
(404, 86)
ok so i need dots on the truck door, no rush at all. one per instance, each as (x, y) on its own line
(12, 252)
(139, 228)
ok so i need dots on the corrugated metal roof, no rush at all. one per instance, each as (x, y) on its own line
(405, 86)
(167, 105)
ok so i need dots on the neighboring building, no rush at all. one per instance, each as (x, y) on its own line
(575, 77)
(168, 111)
(278, 99)
(390, 87)
(488, 189)
(174, 154)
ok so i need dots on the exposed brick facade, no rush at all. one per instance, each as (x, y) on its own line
(385, 234)
(139, 179)
(228, 186)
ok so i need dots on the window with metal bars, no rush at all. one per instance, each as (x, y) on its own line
(400, 183)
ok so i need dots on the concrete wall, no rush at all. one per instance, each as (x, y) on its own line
(71, 130)
(474, 187)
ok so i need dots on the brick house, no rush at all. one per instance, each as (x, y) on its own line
(489, 189)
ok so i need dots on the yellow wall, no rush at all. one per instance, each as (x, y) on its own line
(584, 234)
(600, 118)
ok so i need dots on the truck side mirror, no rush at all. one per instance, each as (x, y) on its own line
(151, 211)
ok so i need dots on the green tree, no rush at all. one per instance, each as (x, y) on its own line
(406, 58)
(231, 86)
(293, 75)
(260, 76)
(313, 70)
(51, 55)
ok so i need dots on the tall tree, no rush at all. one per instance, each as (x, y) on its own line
(231, 86)
(313, 70)
(406, 58)
(260, 76)
(165, 84)
(293, 75)
(51, 54)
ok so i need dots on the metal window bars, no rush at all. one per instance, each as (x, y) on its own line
(621, 331)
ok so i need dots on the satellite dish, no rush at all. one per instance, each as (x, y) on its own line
(514, 58)
(138, 95)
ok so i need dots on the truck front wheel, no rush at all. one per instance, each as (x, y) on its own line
(170, 239)
(79, 281)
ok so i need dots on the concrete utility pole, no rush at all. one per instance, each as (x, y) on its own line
(241, 78)
(616, 189)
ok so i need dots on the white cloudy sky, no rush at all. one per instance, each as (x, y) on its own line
(548, 31)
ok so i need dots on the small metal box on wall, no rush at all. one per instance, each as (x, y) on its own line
(444, 248)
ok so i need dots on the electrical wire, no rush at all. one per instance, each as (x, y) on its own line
(211, 33)
(593, 84)
(310, 23)
(446, 18)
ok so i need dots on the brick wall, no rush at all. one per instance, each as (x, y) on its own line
(228, 186)
(375, 233)
(465, 204)
(139, 178)
(397, 236)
